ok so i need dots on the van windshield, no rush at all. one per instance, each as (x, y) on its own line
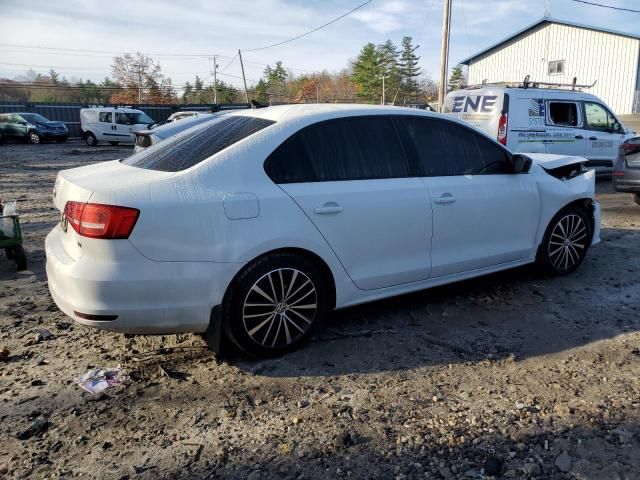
(192, 146)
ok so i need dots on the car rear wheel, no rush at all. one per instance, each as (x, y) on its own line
(34, 137)
(90, 139)
(275, 305)
(565, 242)
(636, 198)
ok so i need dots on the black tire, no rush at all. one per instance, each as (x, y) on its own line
(8, 251)
(20, 257)
(265, 323)
(636, 198)
(566, 241)
(90, 139)
(114, 143)
(34, 138)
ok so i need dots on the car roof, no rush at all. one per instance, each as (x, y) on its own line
(315, 111)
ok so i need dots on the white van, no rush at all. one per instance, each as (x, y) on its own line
(112, 124)
(542, 120)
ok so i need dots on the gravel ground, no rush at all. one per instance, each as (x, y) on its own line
(512, 375)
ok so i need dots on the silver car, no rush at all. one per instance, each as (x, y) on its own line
(626, 169)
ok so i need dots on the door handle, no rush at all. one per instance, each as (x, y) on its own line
(593, 138)
(329, 207)
(445, 198)
(579, 137)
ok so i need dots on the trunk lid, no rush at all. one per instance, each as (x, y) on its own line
(80, 184)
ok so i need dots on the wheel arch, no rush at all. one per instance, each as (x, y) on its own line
(585, 203)
(301, 252)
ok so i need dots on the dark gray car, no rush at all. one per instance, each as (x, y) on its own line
(31, 127)
(626, 170)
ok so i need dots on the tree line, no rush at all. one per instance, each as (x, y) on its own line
(380, 73)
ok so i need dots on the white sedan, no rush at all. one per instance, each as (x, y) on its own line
(265, 220)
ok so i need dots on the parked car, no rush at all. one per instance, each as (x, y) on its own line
(544, 120)
(112, 124)
(179, 116)
(626, 170)
(146, 138)
(31, 127)
(269, 218)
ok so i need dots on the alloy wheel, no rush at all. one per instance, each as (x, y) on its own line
(568, 242)
(280, 307)
(34, 138)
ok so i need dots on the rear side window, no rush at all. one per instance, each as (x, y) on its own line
(439, 148)
(356, 148)
(564, 114)
(194, 145)
(105, 117)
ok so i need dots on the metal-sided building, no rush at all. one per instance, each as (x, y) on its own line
(557, 51)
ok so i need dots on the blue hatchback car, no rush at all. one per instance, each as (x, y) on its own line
(31, 127)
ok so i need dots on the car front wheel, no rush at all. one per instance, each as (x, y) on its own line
(34, 137)
(566, 241)
(90, 139)
(275, 305)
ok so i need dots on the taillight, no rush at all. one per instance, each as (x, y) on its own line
(502, 129)
(95, 220)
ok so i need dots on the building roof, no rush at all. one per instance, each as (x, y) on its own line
(539, 23)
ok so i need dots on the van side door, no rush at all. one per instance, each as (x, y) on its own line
(564, 128)
(605, 134)
(105, 125)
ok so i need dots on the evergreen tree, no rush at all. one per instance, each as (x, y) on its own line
(408, 67)
(261, 92)
(188, 92)
(388, 54)
(456, 80)
(367, 73)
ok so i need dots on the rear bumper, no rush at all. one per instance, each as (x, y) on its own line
(145, 296)
(629, 182)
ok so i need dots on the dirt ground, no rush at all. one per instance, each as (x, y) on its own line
(512, 375)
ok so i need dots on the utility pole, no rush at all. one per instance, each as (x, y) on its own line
(444, 56)
(139, 66)
(383, 99)
(215, 80)
(244, 79)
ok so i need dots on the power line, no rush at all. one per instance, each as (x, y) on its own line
(39, 47)
(607, 6)
(229, 64)
(310, 31)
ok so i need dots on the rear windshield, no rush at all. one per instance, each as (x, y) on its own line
(196, 144)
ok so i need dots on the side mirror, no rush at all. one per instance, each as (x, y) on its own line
(521, 163)
(22, 122)
(616, 128)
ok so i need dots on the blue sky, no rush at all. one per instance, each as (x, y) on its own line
(221, 27)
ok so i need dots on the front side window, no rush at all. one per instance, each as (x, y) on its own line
(563, 114)
(354, 148)
(442, 148)
(196, 144)
(33, 118)
(598, 117)
(127, 118)
(105, 117)
(556, 67)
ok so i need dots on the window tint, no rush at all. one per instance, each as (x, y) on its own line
(442, 148)
(105, 117)
(123, 119)
(354, 148)
(196, 144)
(564, 114)
(598, 117)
